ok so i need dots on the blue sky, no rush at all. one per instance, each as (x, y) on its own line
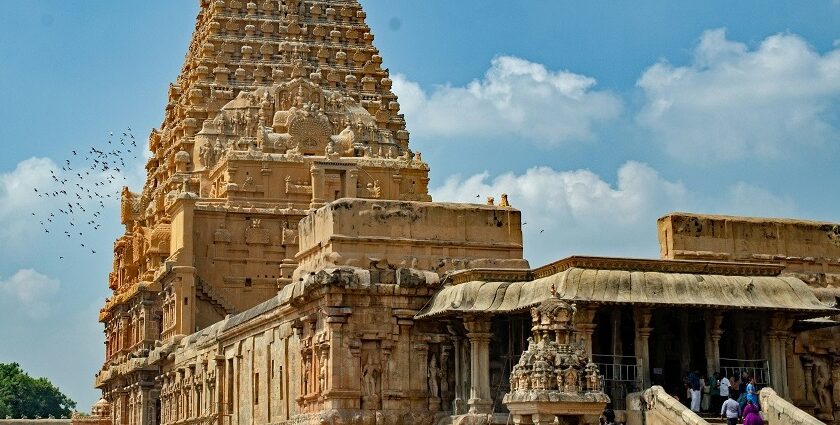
(596, 117)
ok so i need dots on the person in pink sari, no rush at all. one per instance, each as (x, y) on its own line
(751, 416)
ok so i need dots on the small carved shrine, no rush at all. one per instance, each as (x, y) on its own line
(554, 377)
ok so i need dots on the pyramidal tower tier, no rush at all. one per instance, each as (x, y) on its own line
(281, 107)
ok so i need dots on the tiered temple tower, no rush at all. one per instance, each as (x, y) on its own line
(281, 107)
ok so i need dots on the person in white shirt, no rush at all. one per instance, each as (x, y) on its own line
(730, 410)
(724, 387)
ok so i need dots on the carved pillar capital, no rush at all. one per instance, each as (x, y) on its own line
(477, 324)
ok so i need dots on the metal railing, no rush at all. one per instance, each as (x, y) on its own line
(621, 375)
(760, 369)
(618, 368)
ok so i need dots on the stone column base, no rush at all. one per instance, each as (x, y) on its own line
(479, 406)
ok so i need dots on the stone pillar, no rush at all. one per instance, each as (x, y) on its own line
(121, 416)
(808, 365)
(318, 179)
(713, 334)
(221, 384)
(457, 401)
(350, 182)
(419, 372)
(795, 383)
(617, 347)
(342, 379)
(777, 342)
(585, 323)
(147, 404)
(643, 330)
(685, 347)
(478, 331)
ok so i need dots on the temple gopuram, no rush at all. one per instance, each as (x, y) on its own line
(285, 264)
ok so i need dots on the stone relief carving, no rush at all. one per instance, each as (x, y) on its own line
(299, 187)
(552, 362)
(434, 376)
(370, 377)
(823, 389)
(255, 234)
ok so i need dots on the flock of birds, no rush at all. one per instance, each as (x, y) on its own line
(83, 186)
(85, 183)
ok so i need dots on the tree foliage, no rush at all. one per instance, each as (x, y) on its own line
(24, 396)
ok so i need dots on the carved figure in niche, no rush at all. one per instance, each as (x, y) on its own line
(524, 382)
(322, 374)
(822, 386)
(593, 378)
(249, 183)
(306, 372)
(444, 378)
(373, 190)
(570, 380)
(203, 154)
(330, 153)
(370, 376)
(433, 375)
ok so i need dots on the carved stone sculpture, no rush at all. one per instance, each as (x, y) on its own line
(433, 375)
(822, 386)
(554, 375)
(370, 377)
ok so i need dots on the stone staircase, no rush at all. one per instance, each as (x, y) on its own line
(655, 407)
(712, 419)
(207, 293)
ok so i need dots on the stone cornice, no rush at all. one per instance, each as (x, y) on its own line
(610, 263)
(662, 266)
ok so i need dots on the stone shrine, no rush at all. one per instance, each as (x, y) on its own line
(285, 264)
(554, 378)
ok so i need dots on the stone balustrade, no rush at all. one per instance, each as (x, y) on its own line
(662, 409)
(778, 411)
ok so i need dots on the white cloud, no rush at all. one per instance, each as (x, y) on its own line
(19, 199)
(732, 102)
(28, 291)
(577, 212)
(515, 98)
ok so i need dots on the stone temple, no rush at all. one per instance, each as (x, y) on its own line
(285, 264)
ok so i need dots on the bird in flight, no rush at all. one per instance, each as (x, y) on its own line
(98, 168)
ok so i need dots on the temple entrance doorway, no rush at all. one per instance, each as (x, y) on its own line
(614, 351)
(743, 346)
(510, 339)
(677, 347)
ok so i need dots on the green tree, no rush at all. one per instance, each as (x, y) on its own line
(22, 395)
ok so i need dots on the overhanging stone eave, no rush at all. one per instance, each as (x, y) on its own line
(629, 287)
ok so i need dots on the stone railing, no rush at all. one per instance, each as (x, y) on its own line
(662, 409)
(778, 411)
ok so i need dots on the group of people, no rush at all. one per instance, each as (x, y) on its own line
(735, 397)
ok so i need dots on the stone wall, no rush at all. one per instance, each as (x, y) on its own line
(436, 237)
(808, 249)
